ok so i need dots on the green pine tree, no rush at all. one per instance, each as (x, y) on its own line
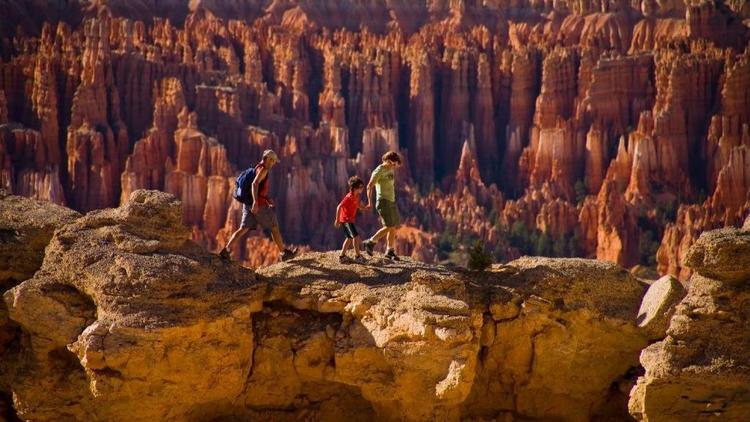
(479, 259)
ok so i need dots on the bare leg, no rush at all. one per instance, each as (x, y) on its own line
(356, 242)
(276, 236)
(345, 247)
(236, 235)
(391, 240)
(380, 233)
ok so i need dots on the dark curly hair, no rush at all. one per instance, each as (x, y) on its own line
(355, 182)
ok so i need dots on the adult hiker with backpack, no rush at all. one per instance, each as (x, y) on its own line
(251, 189)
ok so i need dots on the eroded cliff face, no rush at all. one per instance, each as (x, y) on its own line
(26, 227)
(597, 129)
(701, 368)
(128, 319)
(111, 295)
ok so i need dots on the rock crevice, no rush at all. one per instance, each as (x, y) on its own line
(145, 325)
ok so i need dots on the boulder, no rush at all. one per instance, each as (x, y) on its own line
(26, 227)
(403, 335)
(562, 332)
(418, 341)
(702, 368)
(129, 319)
(722, 254)
(575, 283)
(658, 306)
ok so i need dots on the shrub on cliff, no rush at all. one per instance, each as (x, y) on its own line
(479, 259)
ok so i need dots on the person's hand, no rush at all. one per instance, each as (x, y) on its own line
(254, 209)
(270, 203)
(368, 206)
(336, 224)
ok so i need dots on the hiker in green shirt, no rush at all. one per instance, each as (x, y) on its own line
(383, 181)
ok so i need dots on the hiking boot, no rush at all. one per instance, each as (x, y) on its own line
(391, 254)
(369, 246)
(343, 259)
(224, 254)
(288, 254)
(360, 259)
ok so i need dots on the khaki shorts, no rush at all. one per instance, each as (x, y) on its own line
(266, 217)
(388, 212)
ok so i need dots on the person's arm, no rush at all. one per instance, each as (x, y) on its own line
(336, 218)
(371, 186)
(256, 186)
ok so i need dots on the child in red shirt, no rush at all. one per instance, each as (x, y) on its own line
(346, 214)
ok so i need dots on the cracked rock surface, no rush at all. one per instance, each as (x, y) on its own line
(701, 370)
(128, 319)
(26, 227)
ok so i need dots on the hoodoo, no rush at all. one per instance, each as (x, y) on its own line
(537, 207)
(639, 110)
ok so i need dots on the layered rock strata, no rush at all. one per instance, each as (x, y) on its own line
(127, 318)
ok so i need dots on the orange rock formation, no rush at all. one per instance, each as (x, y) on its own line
(624, 126)
(125, 304)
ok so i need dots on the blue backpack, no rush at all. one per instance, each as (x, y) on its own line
(243, 190)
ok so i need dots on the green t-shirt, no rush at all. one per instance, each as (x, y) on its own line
(385, 185)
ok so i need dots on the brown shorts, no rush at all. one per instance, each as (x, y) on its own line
(388, 212)
(266, 218)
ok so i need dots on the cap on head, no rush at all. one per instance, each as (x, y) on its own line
(269, 153)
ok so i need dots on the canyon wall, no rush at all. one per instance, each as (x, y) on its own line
(603, 129)
(127, 318)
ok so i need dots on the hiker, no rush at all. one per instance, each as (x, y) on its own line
(346, 214)
(383, 180)
(257, 208)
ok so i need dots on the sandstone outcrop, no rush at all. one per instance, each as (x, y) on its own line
(701, 368)
(658, 306)
(128, 319)
(416, 333)
(636, 109)
(26, 227)
(111, 300)
(541, 326)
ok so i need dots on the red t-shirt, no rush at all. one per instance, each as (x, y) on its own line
(349, 206)
(262, 188)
